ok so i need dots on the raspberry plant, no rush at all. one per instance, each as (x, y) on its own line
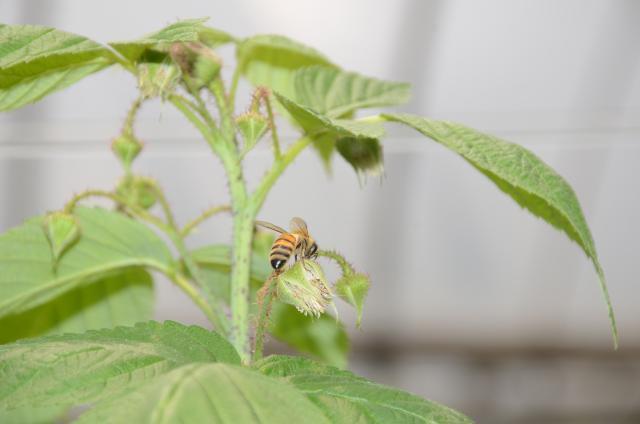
(76, 284)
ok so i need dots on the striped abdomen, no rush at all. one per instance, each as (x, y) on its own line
(282, 249)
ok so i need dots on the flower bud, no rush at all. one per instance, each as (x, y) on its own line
(364, 154)
(62, 230)
(157, 79)
(252, 127)
(138, 191)
(353, 289)
(199, 64)
(305, 287)
(126, 147)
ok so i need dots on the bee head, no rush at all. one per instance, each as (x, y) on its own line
(312, 250)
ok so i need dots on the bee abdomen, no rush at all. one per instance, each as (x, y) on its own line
(281, 251)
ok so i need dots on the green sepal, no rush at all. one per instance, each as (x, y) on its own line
(353, 289)
(126, 147)
(364, 154)
(137, 190)
(62, 230)
(252, 126)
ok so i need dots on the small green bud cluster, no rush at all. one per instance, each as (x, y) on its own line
(62, 231)
(199, 64)
(138, 191)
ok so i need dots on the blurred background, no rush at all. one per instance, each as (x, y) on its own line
(475, 303)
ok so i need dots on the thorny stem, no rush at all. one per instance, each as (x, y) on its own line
(345, 266)
(272, 127)
(265, 300)
(191, 225)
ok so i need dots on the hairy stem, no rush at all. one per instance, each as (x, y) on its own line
(345, 266)
(265, 299)
(272, 127)
(191, 225)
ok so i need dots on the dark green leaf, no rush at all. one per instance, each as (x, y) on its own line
(122, 299)
(36, 61)
(204, 393)
(521, 175)
(110, 242)
(79, 368)
(347, 398)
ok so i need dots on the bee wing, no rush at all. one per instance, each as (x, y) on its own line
(298, 225)
(270, 226)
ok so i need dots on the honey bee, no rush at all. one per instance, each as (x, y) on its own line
(295, 242)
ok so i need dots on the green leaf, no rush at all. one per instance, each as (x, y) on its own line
(271, 60)
(324, 338)
(179, 32)
(42, 415)
(79, 368)
(347, 398)
(353, 289)
(524, 177)
(201, 393)
(122, 299)
(36, 61)
(336, 93)
(315, 123)
(109, 243)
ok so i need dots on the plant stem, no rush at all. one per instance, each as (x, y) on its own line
(345, 266)
(260, 193)
(186, 287)
(272, 126)
(191, 225)
(265, 299)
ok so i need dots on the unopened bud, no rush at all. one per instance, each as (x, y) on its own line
(157, 79)
(126, 147)
(252, 127)
(353, 289)
(138, 191)
(199, 64)
(364, 154)
(62, 230)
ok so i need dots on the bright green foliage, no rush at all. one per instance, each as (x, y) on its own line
(353, 289)
(36, 61)
(109, 243)
(271, 60)
(78, 368)
(62, 230)
(209, 393)
(324, 338)
(346, 398)
(337, 93)
(314, 123)
(120, 299)
(179, 32)
(42, 415)
(523, 176)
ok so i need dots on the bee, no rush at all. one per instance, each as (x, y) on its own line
(296, 242)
